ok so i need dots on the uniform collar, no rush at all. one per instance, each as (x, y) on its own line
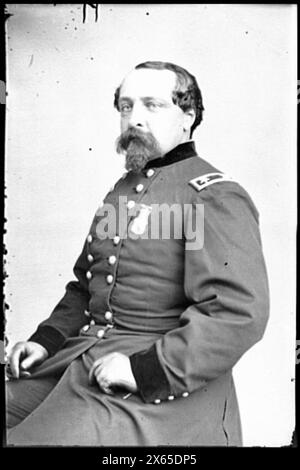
(181, 152)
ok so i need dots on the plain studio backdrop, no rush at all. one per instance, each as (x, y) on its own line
(61, 129)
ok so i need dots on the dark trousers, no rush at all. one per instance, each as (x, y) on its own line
(24, 396)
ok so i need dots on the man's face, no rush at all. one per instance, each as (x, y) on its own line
(145, 104)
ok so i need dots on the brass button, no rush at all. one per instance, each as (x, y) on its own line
(90, 258)
(171, 397)
(157, 401)
(89, 275)
(185, 394)
(116, 239)
(139, 188)
(85, 327)
(150, 173)
(87, 313)
(109, 279)
(130, 204)
(112, 259)
(100, 333)
(89, 238)
(108, 315)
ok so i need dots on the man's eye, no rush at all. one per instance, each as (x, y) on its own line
(125, 108)
(152, 105)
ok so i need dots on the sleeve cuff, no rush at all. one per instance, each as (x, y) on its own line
(48, 337)
(149, 375)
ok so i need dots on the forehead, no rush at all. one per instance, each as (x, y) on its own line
(148, 82)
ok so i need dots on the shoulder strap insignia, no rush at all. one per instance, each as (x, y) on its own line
(203, 181)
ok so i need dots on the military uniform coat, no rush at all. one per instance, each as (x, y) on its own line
(183, 316)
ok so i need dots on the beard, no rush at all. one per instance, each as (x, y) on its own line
(140, 147)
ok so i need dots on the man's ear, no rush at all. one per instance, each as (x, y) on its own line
(189, 119)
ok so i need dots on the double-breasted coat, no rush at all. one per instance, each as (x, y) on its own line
(183, 312)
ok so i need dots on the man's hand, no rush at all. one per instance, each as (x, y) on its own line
(113, 370)
(25, 355)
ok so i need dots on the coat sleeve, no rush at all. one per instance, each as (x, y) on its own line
(68, 316)
(226, 284)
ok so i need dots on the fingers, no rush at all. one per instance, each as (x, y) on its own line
(23, 356)
(92, 371)
(103, 382)
(113, 370)
(29, 361)
(106, 390)
(14, 360)
(97, 374)
(25, 373)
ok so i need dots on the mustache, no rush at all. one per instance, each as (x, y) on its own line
(140, 147)
(139, 138)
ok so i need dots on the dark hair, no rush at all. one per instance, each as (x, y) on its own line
(186, 95)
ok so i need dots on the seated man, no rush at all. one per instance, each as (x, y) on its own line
(171, 291)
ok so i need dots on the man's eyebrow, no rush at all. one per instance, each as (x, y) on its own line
(154, 98)
(125, 98)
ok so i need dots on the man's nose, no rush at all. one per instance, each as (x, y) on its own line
(137, 116)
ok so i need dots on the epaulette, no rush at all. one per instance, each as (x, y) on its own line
(203, 181)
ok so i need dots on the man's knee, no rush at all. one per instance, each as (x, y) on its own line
(15, 413)
(23, 396)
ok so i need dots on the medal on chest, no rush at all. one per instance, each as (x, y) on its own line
(140, 222)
